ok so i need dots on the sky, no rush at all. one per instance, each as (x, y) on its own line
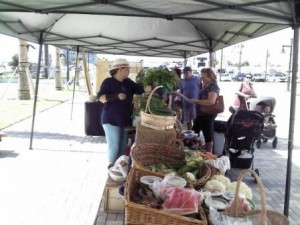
(254, 51)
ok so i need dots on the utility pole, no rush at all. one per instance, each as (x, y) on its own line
(267, 59)
(240, 58)
(221, 64)
(290, 62)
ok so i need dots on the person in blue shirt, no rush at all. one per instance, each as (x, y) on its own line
(116, 92)
(208, 95)
(189, 87)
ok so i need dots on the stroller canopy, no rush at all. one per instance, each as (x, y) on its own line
(264, 100)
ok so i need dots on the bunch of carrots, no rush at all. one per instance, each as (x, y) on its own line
(207, 155)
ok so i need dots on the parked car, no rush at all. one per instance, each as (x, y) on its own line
(2, 69)
(258, 77)
(277, 77)
(239, 77)
(225, 77)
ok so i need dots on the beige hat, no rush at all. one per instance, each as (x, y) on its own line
(119, 63)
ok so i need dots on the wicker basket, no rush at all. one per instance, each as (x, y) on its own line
(215, 171)
(138, 214)
(153, 121)
(146, 154)
(235, 210)
(205, 172)
(148, 135)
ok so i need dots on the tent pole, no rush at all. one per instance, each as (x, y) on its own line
(184, 60)
(292, 121)
(36, 88)
(75, 79)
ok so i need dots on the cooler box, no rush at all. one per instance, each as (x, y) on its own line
(92, 118)
(219, 137)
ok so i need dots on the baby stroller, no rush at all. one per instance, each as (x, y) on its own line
(243, 128)
(266, 106)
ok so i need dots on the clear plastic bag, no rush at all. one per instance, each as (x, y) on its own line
(181, 200)
(177, 200)
(218, 218)
(170, 180)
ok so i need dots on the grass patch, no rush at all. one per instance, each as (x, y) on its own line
(13, 110)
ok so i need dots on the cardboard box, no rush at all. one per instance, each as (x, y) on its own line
(113, 200)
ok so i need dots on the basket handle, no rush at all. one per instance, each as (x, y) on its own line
(235, 207)
(177, 141)
(149, 99)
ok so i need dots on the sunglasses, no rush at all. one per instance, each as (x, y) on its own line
(248, 77)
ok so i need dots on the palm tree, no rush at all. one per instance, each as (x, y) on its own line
(47, 61)
(23, 92)
(58, 78)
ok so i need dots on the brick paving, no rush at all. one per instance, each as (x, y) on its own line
(61, 181)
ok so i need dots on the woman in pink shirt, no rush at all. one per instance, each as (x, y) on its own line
(245, 92)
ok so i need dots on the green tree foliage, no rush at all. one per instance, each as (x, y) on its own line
(14, 61)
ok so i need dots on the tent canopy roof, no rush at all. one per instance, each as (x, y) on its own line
(168, 28)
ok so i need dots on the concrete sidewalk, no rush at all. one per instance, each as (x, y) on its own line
(61, 181)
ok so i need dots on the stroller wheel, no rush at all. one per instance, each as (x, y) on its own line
(274, 143)
(258, 143)
(256, 171)
(265, 140)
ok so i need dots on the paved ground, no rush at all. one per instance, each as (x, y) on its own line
(61, 181)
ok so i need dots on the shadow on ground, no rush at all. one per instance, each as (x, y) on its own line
(56, 136)
(8, 154)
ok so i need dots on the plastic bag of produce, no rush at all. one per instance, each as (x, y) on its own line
(181, 200)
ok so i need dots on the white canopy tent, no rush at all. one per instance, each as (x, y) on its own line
(169, 28)
(158, 28)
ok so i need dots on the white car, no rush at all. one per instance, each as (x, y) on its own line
(277, 77)
(226, 77)
(258, 77)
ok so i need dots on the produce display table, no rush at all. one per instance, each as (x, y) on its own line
(113, 200)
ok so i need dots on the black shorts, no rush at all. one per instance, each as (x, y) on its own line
(205, 123)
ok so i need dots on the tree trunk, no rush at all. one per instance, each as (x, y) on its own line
(46, 64)
(58, 78)
(24, 92)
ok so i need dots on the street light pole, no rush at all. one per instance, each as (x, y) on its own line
(290, 62)
(267, 58)
(221, 64)
(240, 58)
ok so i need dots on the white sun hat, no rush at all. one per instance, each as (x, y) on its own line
(119, 63)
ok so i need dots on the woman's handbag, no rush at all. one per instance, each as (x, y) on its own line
(218, 107)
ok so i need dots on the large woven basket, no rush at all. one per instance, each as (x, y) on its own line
(145, 154)
(157, 122)
(235, 210)
(148, 135)
(138, 214)
(205, 172)
(149, 154)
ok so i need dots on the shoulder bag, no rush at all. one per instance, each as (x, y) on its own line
(218, 107)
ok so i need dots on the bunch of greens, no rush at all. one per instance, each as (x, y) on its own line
(157, 77)
(140, 102)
